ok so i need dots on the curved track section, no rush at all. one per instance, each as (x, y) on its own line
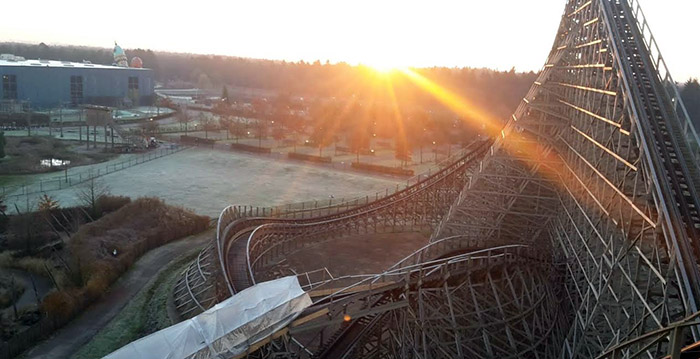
(201, 284)
(418, 206)
(250, 245)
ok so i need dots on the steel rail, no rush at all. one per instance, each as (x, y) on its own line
(659, 65)
(687, 264)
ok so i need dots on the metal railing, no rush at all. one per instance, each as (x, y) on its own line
(664, 75)
(306, 281)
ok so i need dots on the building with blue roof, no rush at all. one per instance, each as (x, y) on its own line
(51, 84)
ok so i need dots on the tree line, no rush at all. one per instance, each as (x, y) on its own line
(497, 90)
(346, 90)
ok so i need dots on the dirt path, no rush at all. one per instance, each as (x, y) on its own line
(68, 340)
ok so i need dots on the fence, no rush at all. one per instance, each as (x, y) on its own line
(30, 336)
(347, 165)
(322, 207)
(69, 179)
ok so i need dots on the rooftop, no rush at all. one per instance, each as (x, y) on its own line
(60, 64)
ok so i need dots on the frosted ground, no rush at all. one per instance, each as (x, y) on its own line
(207, 181)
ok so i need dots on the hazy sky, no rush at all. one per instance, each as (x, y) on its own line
(477, 33)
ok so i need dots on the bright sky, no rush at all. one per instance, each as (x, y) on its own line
(476, 33)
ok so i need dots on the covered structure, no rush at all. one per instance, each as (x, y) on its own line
(228, 329)
(51, 83)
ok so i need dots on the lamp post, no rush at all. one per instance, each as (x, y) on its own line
(435, 150)
(422, 140)
(60, 116)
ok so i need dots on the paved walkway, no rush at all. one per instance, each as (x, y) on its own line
(78, 332)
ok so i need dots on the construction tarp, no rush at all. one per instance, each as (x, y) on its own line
(227, 329)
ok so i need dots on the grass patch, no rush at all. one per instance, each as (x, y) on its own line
(10, 180)
(156, 311)
(24, 155)
(145, 313)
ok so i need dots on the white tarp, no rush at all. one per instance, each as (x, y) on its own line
(227, 329)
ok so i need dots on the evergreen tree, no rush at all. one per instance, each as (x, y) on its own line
(691, 98)
(224, 94)
(47, 203)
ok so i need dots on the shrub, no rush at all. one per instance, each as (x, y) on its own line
(311, 158)
(382, 169)
(35, 140)
(250, 148)
(109, 203)
(97, 284)
(132, 230)
(61, 305)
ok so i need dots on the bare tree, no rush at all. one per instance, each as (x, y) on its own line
(89, 194)
(149, 127)
(207, 123)
(402, 152)
(237, 129)
(278, 133)
(183, 118)
(225, 123)
(261, 128)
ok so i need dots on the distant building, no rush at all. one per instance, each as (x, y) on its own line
(50, 84)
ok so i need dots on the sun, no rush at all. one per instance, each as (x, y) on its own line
(383, 67)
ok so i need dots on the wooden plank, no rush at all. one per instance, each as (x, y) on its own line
(356, 289)
(351, 316)
(310, 317)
